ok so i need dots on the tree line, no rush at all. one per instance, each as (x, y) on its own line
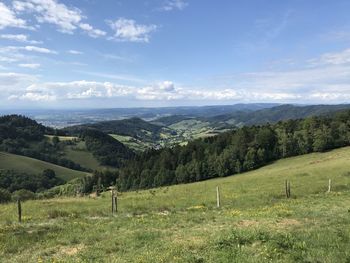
(233, 152)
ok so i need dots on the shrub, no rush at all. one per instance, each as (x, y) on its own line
(23, 195)
(5, 196)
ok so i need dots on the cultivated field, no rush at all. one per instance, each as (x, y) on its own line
(255, 223)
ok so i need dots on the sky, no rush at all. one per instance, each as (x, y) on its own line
(151, 53)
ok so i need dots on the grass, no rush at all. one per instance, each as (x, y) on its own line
(256, 223)
(33, 166)
(132, 142)
(79, 154)
(62, 138)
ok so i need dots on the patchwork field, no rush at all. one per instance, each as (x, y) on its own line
(255, 223)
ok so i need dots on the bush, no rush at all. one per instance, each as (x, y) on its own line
(23, 195)
(5, 196)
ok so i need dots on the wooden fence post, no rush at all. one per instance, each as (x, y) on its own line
(113, 203)
(19, 210)
(217, 197)
(287, 186)
(116, 202)
(289, 189)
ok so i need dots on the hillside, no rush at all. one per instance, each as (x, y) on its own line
(134, 127)
(235, 151)
(33, 166)
(275, 114)
(23, 136)
(255, 223)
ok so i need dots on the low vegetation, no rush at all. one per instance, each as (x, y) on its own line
(255, 223)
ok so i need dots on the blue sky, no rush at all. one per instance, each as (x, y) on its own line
(90, 53)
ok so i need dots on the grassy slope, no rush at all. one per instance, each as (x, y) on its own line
(256, 223)
(79, 154)
(132, 142)
(34, 166)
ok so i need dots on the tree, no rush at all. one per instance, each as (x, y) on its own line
(323, 139)
(250, 160)
(23, 195)
(55, 141)
(5, 196)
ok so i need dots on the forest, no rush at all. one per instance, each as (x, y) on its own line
(233, 152)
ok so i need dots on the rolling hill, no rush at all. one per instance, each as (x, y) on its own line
(275, 114)
(255, 222)
(134, 127)
(33, 166)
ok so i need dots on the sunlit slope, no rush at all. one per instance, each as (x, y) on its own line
(79, 154)
(255, 223)
(33, 166)
(308, 175)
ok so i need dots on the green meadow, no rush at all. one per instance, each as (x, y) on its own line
(255, 222)
(29, 165)
(79, 154)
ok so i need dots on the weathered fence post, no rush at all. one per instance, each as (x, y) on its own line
(114, 200)
(329, 185)
(217, 197)
(19, 210)
(287, 186)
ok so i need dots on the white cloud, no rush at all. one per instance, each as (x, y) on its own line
(31, 66)
(19, 38)
(38, 49)
(71, 90)
(31, 96)
(27, 48)
(8, 18)
(51, 11)
(75, 52)
(12, 83)
(92, 32)
(129, 30)
(326, 83)
(7, 59)
(167, 91)
(334, 58)
(170, 5)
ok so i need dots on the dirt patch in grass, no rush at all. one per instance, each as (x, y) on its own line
(288, 222)
(70, 251)
(248, 223)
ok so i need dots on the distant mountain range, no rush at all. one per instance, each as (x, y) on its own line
(64, 118)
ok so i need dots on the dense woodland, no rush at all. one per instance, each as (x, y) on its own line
(106, 150)
(20, 185)
(240, 150)
(12, 180)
